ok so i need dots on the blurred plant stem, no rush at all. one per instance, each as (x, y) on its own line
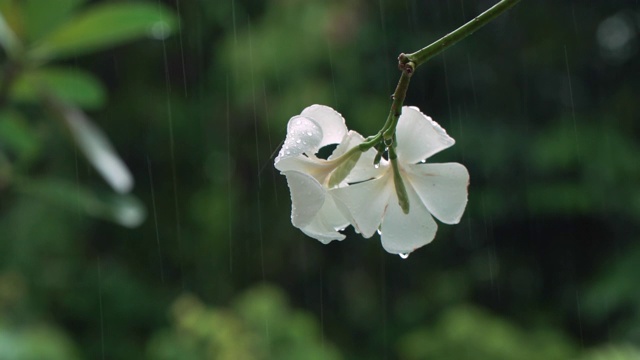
(5, 171)
(10, 73)
(421, 56)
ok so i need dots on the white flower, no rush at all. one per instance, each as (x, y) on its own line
(432, 189)
(313, 209)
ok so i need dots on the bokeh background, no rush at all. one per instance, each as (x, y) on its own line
(200, 259)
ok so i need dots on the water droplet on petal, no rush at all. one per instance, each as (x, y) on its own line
(309, 133)
(376, 166)
(404, 255)
(423, 161)
(379, 232)
(288, 152)
(298, 141)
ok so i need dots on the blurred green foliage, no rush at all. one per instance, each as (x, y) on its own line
(259, 325)
(542, 104)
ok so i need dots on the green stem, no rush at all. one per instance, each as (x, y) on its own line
(5, 171)
(401, 190)
(421, 56)
(389, 128)
(10, 73)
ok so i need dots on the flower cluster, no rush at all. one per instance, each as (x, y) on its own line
(397, 197)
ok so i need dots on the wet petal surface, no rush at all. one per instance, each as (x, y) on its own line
(403, 233)
(442, 188)
(419, 137)
(307, 197)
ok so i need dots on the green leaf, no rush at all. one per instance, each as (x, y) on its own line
(43, 16)
(16, 135)
(103, 26)
(75, 86)
(125, 210)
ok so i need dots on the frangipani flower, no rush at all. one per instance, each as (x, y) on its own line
(431, 189)
(310, 178)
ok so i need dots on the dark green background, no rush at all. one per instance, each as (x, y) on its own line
(543, 104)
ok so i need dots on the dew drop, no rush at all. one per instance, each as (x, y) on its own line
(298, 141)
(423, 161)
(404, 255)
(379, 232)
(376, 166)
(309, 133)
(288, 152)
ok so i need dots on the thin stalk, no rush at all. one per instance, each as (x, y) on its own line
(389, 127)
(10, 73)
(421, 56)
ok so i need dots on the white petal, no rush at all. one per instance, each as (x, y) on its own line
(307, 197)
(325, 224)
(403, 233)
(303, 164)
(330, 121)
(303, 136)
(419, 137)
(351, 140)
(366, 170)
(365, 204)
(442, 188)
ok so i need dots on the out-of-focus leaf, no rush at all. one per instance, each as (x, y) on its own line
(613, 291)
(456, 335)
(105, 25)
(95, 145)
(35, 342)
(8, 38)
(16, 136)
(72, 85)
(125, 210)
(613, 352)
(202, 332)
(42, 16)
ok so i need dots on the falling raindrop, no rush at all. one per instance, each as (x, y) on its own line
(404, 255)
